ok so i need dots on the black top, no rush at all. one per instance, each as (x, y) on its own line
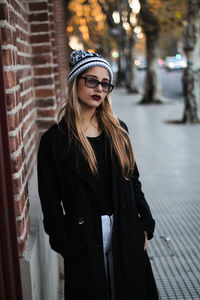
(103, 179)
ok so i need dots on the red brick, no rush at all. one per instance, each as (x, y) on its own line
(37, 6)
(26, 85)
(13, 121)
(16, 163)
(17, 186)
(10, 101)
(12, 17)
(27, 109)
(51, 18)
(24, 72)
(38, 17)
(10, 79)
(7, 57)
(3, 12)
(39, 27)
(14, 143)
(23, 60)
(17, 96)
(42, 59)
(19, 205)
(44, 93)
(41, 49)
(43, 71)
(43, 81)
(46, 113)
(6, 36)
(45, 102)
(40, 38)
(26, 97)
(44, 124)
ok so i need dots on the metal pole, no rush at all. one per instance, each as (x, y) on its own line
(10, 277)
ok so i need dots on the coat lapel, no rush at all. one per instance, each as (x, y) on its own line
(73, 157)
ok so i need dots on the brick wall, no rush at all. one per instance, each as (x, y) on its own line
(49, 64)
(35, 59)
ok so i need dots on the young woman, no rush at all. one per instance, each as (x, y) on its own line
(95, 212)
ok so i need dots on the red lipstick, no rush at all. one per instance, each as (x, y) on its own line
(96, 97)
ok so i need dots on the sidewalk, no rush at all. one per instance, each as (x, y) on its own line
(168, 158)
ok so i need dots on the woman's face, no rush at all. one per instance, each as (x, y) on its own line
(91, 98)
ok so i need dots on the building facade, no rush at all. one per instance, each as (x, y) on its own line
(35, 66)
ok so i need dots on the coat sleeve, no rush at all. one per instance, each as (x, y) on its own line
(144, 211)
(49, 193)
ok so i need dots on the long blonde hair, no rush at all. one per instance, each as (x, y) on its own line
(117, 136)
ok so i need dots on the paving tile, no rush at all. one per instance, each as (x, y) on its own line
(168, 159)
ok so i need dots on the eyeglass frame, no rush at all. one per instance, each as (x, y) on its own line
(98, 82)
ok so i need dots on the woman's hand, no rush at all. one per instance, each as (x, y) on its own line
(146, 240)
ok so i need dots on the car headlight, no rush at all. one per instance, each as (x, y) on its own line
(183, 64)
(171, 65)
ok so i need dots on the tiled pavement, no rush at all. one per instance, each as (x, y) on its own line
(168, 157)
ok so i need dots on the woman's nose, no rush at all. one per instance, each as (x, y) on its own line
(98, 87)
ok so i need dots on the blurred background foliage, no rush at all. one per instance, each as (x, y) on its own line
(145, 32)
(94, 24)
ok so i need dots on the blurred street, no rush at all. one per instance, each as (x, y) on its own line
(168, 159)
(171, 83)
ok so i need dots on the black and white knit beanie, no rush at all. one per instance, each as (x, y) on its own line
(81, 60)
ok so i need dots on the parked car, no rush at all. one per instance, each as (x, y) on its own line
(173, 63)
(141, 64)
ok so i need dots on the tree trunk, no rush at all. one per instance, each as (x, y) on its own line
(132, 83)
(121, 78)
(151, 28)
(191, 74)
(152, 92)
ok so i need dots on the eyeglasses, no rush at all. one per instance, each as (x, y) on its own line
(93, 83)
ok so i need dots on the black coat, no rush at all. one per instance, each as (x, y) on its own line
(71, 219)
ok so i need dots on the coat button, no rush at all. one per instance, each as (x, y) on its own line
(123, 205)
(81, 221)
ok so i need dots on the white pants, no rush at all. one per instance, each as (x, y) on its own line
(107, 226)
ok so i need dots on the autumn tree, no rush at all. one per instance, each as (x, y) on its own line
(88, 23)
